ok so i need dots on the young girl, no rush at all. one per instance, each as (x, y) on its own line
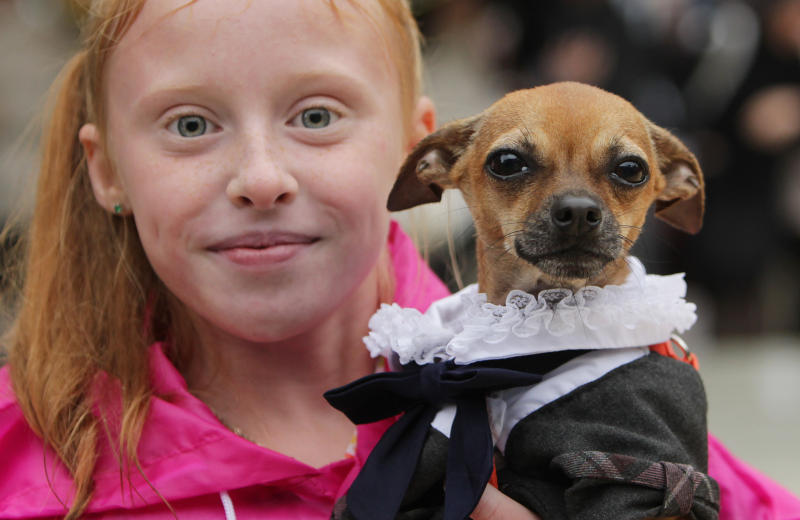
(208, 243)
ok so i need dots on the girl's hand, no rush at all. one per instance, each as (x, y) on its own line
(494, 505)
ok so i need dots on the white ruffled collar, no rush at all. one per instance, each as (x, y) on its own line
(464, 327)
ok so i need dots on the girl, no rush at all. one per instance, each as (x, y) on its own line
(208, 243)
(210, 223)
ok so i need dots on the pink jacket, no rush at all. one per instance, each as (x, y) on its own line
(206, 471)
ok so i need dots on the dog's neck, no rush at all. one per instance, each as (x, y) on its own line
(498, 276)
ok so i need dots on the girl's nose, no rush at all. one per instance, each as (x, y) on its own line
(261, 181)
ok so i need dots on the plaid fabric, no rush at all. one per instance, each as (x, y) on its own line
(683, 486)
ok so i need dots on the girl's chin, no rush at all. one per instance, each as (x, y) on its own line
(268, 328)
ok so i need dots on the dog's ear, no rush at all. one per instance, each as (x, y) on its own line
(682, 202)
(425, 174)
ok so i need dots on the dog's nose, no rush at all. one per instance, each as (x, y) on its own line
(576, 215)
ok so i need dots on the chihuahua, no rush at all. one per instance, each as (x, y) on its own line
(559, 180)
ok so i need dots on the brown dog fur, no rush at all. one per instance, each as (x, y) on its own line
(577, 142)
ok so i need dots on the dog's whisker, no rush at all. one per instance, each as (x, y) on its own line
(639, 279)
(513, 234)
(499, 251)
(493, 245)
(629, 241)
(512, 223)
(581, 318)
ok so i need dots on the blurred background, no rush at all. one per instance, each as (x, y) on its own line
(723, 75)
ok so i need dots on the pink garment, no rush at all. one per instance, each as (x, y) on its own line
(190, 458)
(746, 494)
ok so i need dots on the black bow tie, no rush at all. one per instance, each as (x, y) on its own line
(421, 391)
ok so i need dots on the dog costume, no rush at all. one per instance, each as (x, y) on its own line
(585, 420)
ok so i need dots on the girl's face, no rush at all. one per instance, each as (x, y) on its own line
(255, 144)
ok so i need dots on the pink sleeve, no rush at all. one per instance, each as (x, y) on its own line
(745, 494)
(417, 286)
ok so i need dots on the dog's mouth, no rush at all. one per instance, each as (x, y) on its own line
(571, 239)
(575, 262)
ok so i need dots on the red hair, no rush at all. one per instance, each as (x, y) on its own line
(87, 284)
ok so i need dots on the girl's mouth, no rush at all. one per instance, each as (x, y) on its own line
(263, 249)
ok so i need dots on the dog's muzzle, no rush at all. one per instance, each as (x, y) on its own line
(573, 236)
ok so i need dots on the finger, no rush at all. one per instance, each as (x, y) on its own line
(494, 505)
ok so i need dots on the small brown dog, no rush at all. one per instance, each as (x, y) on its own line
(560, 178)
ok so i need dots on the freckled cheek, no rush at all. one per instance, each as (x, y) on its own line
(390, 154)
(165, 195)
(360, 198)
(363, 177)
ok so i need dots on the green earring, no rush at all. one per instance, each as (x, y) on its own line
(117, 208)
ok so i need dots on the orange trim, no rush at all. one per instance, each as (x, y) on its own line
(665, 349)
(493, 478)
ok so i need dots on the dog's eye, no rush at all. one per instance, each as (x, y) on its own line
(505, 163)
(631, 173)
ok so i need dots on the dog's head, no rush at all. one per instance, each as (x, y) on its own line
(559, 180)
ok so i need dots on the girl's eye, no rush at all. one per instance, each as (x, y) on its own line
(317, 117)
(190, 126)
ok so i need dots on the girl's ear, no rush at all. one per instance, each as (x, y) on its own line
(106, 185)
(423, 122)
